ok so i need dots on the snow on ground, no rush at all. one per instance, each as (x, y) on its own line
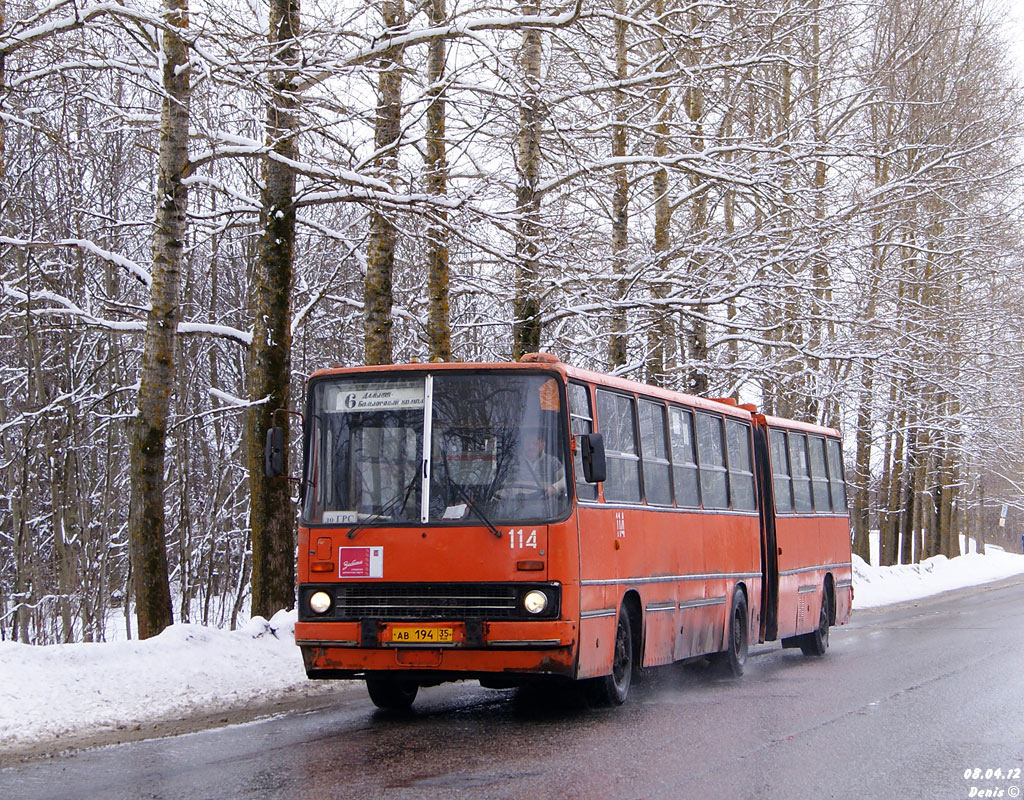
(879, 586)
(65, 690)
(60, 691)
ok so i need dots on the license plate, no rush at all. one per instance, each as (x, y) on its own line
(411, 634)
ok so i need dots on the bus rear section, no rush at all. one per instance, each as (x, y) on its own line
(808, 569)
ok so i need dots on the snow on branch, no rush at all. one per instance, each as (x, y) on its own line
(36, 27)
(129, 266)
(62, 306)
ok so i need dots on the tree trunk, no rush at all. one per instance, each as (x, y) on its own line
(889, 522)
(698, 379)
(658, 340)
(378, 295)
(979, 518)
(861, 512)
(438, 324)
(3, 121)
(526, 328)
(271, 513)
(620, 198)
(146, 525)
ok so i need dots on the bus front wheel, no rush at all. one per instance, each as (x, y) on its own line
(392, 694)
(611, 690)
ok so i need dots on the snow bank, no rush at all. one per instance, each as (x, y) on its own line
(879, 586)
(49, 692)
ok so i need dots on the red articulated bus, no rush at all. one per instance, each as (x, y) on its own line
(532, 521)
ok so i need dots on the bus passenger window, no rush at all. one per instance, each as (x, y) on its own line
(801, 476)
(780, 472)
(741, 473)
(582, 421)
(711, 457)
(819, 478)
(684, 458)
(835, 473)
(615, 422)
(657, 470)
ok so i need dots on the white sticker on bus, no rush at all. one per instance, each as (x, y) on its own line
(340, 517)
(361, 562)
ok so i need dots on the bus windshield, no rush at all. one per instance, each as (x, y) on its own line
(497, 450)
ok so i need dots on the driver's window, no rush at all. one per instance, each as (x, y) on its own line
(582, 422)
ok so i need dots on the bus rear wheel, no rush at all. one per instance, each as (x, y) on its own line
(816, 642)
(392, 694)
(734, 658)
(611, 690)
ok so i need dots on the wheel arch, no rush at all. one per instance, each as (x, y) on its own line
(830, 596)
(633, 606)
(753, 617)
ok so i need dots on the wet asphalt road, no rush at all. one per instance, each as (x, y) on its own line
(905, 702)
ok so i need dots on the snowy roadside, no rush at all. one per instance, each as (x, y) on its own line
(880, 586)
(61, 693)
(61, 696)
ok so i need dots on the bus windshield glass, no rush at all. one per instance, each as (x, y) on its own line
(497, 450)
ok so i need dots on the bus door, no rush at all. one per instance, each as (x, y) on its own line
(596, 569)
(769, 546)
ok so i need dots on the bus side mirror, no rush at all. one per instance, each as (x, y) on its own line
(595, 468)
(273, 455)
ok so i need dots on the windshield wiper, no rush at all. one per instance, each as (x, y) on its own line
(385, 509)
(470, 503)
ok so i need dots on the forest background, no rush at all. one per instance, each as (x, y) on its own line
(812, 205)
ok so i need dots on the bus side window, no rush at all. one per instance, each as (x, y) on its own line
(780, 472)
(654, 448)
(741, 474)
(801, 475)
(684, 458)
(837, 483)
(581, 422)
(615, 420)
(714, 489)
(819, 477)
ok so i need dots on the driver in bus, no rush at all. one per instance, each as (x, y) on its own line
(535, 471)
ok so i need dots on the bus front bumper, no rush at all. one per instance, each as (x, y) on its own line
(463, 649)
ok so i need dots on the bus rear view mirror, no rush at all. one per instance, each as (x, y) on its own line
(595, 468)
(273, 455)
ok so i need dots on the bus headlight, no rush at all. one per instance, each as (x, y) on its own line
(535, 601)
(320, 602)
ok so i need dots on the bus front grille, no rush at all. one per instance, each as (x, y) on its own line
(420, 601)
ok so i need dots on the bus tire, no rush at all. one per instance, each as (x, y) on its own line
(392, 694)
(611, 690)
(734, 658)
(816, 642)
